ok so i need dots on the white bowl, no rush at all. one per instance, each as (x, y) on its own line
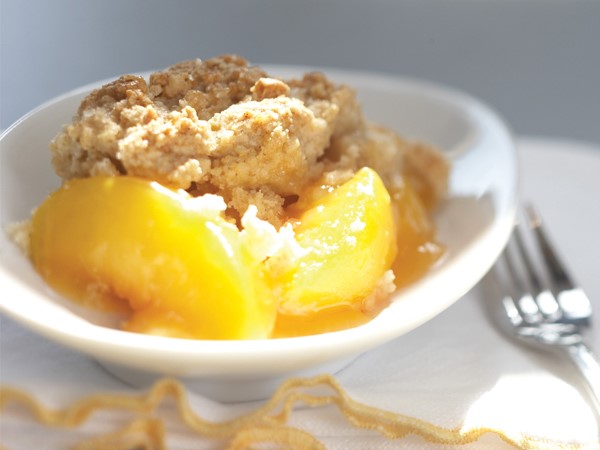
(474, 223)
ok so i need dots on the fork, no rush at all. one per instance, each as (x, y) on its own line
(542, 303)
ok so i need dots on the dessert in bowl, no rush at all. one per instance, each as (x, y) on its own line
(472, 221)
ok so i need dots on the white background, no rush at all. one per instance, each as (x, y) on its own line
(536, 61)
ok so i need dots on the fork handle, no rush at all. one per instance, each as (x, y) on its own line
(589, 367)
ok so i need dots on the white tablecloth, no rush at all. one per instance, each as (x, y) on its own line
(456, 371)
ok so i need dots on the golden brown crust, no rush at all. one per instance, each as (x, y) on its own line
(224, 127)
(209, 86)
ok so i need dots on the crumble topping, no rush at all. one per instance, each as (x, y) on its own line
(224, 127)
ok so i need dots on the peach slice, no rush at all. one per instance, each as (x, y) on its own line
(416, 244)
(179, 267)
(349, 235)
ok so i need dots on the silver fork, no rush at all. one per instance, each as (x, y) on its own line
(542, 303)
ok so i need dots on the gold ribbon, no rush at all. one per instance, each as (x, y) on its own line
(267, 424)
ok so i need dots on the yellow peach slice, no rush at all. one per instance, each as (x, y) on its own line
(417, 248)
(349, 237)
(177, 264)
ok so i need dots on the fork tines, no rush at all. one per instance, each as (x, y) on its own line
(543, 305)
(542, 290)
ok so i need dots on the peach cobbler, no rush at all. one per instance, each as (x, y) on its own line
(215, 201)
